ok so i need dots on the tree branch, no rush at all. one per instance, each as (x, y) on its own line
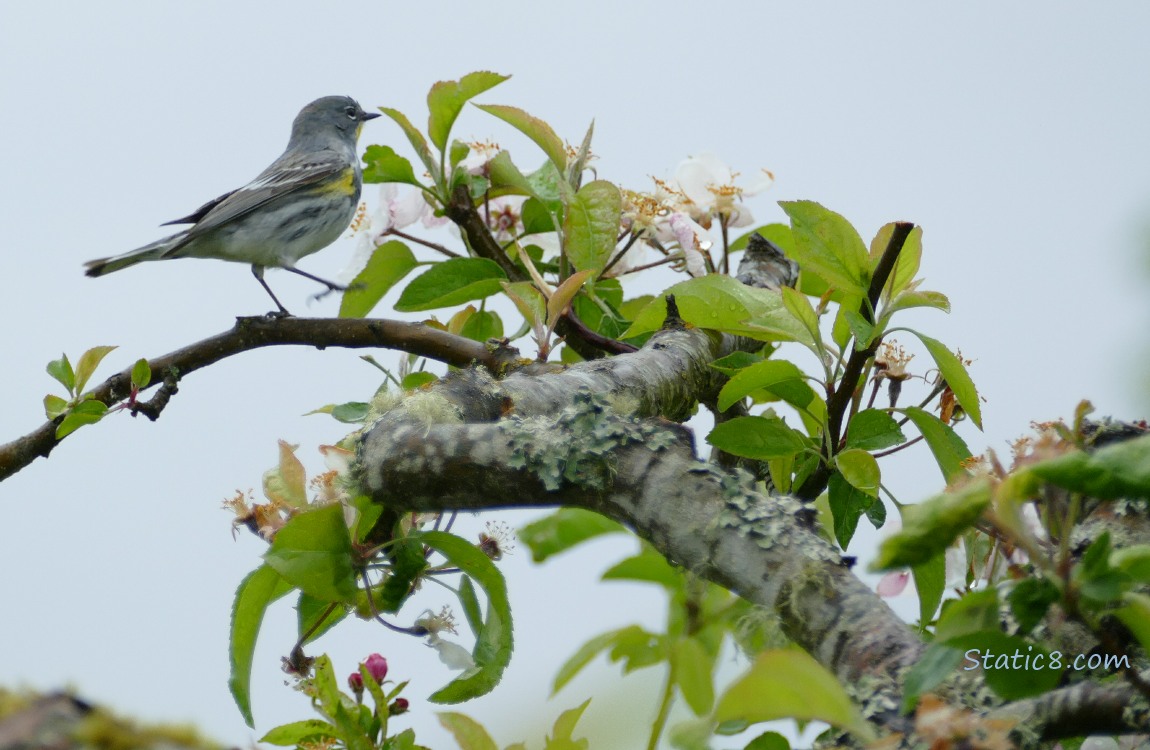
(840, 400)
(258, 332)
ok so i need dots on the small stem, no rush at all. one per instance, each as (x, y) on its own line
(726, 245)
(618, 256)
(426, 243)
(664, 709)
(898, 448)
(636, 269)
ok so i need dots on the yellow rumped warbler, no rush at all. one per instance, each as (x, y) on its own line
(298, 205)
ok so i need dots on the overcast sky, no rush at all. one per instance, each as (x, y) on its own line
(1015, 134)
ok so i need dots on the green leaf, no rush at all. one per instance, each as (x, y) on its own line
(1029, 601)
(859, 469)
(911, 298)
(254, 595)
(769, 741)
(736, 361)
(445, 101)
(1134, 561)
(724, 303)
(861, 328)
(493, 645)
(536, 217)
(366, 515)
(873, 430)
(591, 225)
(1013, 667)
(789, 684)
(756, 437)
(418, 142)
(458, 152)
(930, 583)
(314, 618)
(932, 668)
(1118, 470)
(61, 370)
(507, 178)
(382, 164)
(88, 363)
(141, 373)
(798, 305)
(289, 735)
(563, 294)
(313, 553)
(1135, 614)
(905, 266)
(647, 566)
(948, 448)
(564, 529)
(847, 505)
(975, 612)
(54, 406)
(692, 669)
(353, 412)
(637, 648)
(386, 267)
(564, 727)
(765, 374)
(407, 564)
(469, 602)
(582, 657)
(469, 734)
(954, 372)
(481, 326)
(933, 525)
(338, 707)
(85, 412)
(1096, 579)
(534, 128)
(414, 380)
(452, 282)
(828, 246)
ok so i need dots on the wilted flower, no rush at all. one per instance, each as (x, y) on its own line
(451, 654)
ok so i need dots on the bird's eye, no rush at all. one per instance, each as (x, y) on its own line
(350, 112)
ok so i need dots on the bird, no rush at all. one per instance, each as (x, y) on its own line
(299, 205)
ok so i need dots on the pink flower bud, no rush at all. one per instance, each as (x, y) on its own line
(355, 682)
(376, 667)
(397, 707)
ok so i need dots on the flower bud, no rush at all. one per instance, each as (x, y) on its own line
(355, 682)
(397, 707)
(376, 667)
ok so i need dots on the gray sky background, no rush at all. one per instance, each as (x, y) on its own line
(1015, 135)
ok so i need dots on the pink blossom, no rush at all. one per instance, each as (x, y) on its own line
(376, 667)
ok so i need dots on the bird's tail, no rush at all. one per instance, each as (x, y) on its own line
(154, 251)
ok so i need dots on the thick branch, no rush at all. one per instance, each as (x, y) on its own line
(645, 474)
(1082, 709)
(255, 333)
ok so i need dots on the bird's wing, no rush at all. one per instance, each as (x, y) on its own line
(202, 211)
(280, 179)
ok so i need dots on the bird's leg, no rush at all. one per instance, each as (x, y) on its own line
(331, 286)
(258, 272)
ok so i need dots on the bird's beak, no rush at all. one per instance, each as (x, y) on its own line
(368, 116)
